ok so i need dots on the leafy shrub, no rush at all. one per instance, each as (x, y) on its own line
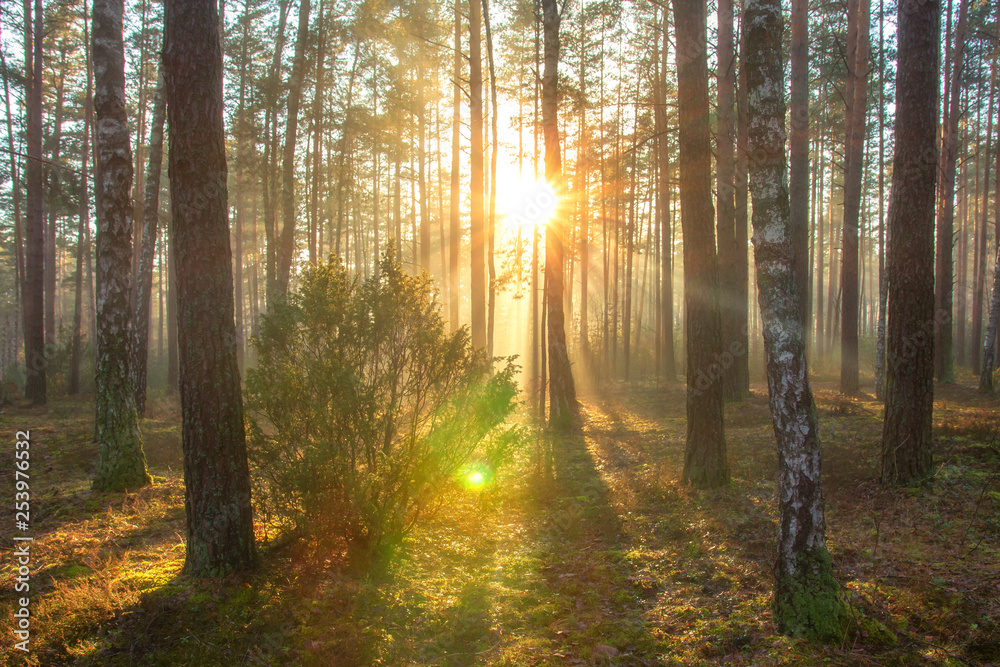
(363, 407)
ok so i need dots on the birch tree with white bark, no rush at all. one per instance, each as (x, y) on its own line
(122, 464)
(806, 595)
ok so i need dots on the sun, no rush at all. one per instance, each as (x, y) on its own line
(525, 203)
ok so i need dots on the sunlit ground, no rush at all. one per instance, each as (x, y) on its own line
(604, 559)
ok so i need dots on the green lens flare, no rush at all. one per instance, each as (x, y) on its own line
(475, 479)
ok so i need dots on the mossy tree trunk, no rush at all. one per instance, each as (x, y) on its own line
(705, 457)
(806, 602)
(122, 464)
(909, 384)
(220, 535)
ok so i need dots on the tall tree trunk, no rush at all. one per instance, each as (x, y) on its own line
(909, 384)
(798, 149)
(270, 160)
(82, 246)
(945, 264)
(491, 220)
(316, 231)
(730, 303)
(55, 186)
(220, 535)
(34, 301)
(741, 351)
(705, 456)
(630, 249)
(150, 228)
(425, 218)
(582, 166)
(969, 196)
(15, 186)
(564, 411)
(806, 596)
(883, 274)
(981, 254)
(477, 224)
(669, 366)
(455, 222)
(121, 463)
(854, 169)
(286, 246)
(537, 334)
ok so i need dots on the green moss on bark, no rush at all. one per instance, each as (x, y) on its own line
(807, 604)
(122, 463)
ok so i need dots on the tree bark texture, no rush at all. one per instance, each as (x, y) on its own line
(122, 464)
(945, 263)
(220, 535)
(705, 456)
(150, 228)
(564, 411)
(909, 384)
(806, 601)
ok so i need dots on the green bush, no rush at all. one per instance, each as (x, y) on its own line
(363, 408)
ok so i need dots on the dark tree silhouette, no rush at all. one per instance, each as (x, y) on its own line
(563, 407)
(216, 476)
(909, 383)
(705, 457)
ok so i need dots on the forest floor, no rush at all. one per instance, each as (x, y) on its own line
(608, 561)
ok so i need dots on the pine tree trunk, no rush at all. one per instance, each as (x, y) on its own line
(286, 245)
(705, 463)
(270, 160)
(33, 297)
(854, 169)
(945, 263)
(669, 366)
(981, 254)
(741, 363)
(82, 247)
(491, 304)
(220, 535)
(564, 411)
(798, 149)
(909, 385)
(883, 274)
(455, 222)
(425, 219)
(150, 228)
(316, 232)
(806, 602)
(55, 186)
(15, 187)
(121, 464)
(477, 247)
(729, 249)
